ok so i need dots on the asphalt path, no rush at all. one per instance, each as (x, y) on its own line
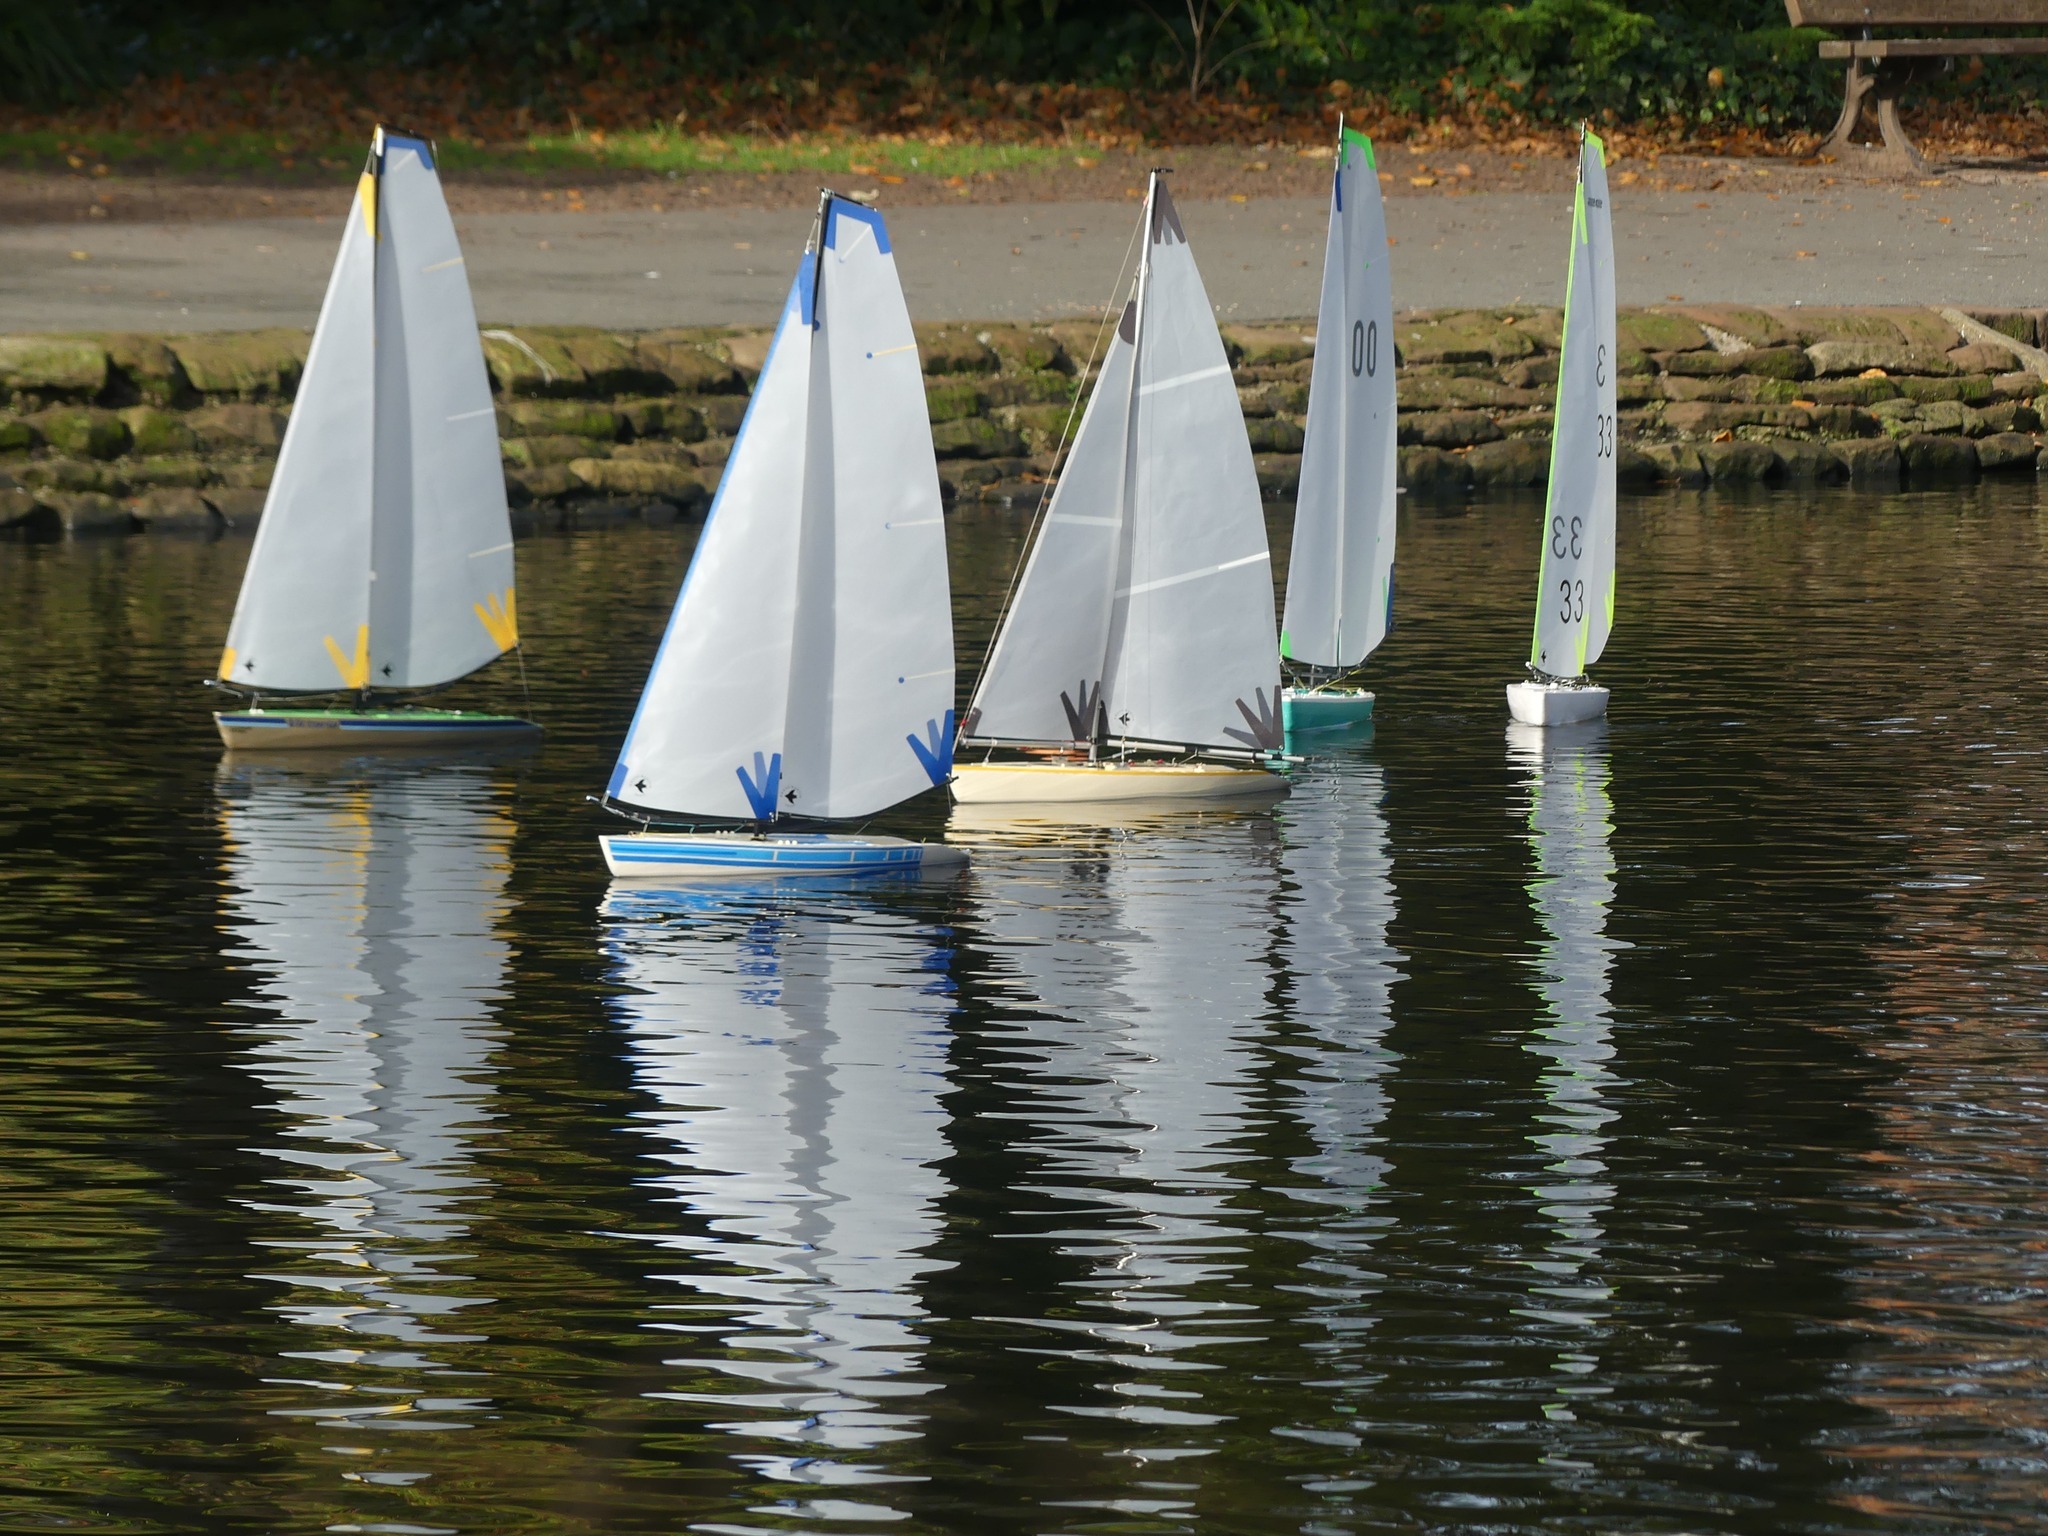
(1975, 244)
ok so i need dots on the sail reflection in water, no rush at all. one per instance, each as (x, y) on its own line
(1570, 822)
(795, 1047)
(1144, 960)
(368, 903)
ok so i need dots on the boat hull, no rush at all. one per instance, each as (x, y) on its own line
(317, 730)
(1068, 783)
(1554, 704)
(1324, 709)
(817, 855)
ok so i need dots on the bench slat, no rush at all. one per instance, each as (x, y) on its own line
(1931, 48)
(1917, 13)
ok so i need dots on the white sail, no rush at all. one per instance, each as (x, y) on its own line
(1186, 610)
(384, 558)
(795, 1060)
(808, 667)
(369, 914)
(1575, 591)
(1340, 576)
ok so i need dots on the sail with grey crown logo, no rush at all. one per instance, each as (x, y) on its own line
(1145, 613)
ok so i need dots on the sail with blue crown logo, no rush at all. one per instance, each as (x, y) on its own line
(808, 666)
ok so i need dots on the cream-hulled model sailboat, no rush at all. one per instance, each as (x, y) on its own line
(384, 558)
(1340, 578)
(1575, 590)
(807, 672)
(1138, 656)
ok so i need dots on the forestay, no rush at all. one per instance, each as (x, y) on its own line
(808, 666)
(1146, 611)
(1575, 591)
(1340, 579)
(384, 558)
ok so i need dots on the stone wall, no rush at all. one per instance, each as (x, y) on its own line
(120, 433)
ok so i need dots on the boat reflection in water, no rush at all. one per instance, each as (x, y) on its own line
(793, 1041)
(1565, 770)
(1139, 949)
(367, 899)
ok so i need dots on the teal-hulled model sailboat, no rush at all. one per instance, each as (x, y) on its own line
(384, 559)
(1575, 584)
(1340, 577)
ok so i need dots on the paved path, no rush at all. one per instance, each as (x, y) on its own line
(1952, 244)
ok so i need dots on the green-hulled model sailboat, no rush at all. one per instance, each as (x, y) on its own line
(384, 559)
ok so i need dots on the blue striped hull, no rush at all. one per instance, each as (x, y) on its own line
(666, 855)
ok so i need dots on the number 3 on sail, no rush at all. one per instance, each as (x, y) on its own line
(1575, 588)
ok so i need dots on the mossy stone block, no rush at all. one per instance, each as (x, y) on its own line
(1773, 362)
(152, 430)
(639, 478)
(534, 452)
(1871, 461)
(1806, 462)
(1448, 429)
(1701, 365)
(1676, 461)
(1737, 462)
(1929, 456)
(1040, 425)
(1279, 473)
(60, 366)
(550, 482)
(1274, 434)
(954, 349)
(1970, 389)
(2009, 416)
(975, 437)
(2004, 451)
(243, 424)
(1257, 345)
(721, 414)
(86, 514)
(565, 418)
(689, 366)
(143, 368)
(18, 435)
(72, 475)
(172, 470)
(530, 363)
(1512, 462)
(1022, 350)
(83, 431)
(243, 365)
(1648, 331)
(1864, 392)
(1028, 389)
(676, 419)
(953, 399)
(1465, 336)
(178, 508)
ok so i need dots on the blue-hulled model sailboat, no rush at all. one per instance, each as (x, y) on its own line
(384, 559)
(1340, 577)
(807, 672)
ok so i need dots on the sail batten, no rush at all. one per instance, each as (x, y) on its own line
(384, 558)
(1340, 574)
(1576, 584)
(808, 666)
(1145, 611)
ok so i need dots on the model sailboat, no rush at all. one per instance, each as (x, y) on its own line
(1575, 590)
(384, 558)
(1138, 659)
(807, 672)
(1340, 578)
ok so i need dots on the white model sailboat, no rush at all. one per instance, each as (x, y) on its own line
(1340, 577)
(1575, 590)
(807, 672)
(1138, 658)
(384, 558)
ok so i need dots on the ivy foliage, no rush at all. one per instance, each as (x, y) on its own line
(1701, 61)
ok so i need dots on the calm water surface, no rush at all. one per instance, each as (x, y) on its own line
(1637, 1130)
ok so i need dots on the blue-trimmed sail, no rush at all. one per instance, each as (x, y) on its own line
(808, 668)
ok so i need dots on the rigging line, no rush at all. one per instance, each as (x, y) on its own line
(1066, 430)
(519, 653)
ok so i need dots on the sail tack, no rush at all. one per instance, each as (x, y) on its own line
(1146, 610)
(808, 666)
(1575, 590)
(1340, 593)
(384, 558)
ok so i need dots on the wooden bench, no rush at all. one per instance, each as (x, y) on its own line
(1881, 67)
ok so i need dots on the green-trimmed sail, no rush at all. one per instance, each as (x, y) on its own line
(1575, 592)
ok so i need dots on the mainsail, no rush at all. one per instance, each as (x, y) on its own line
(1575, 592)
(1145, 612)
(384, 558)
(1340, 578)
(808, 666)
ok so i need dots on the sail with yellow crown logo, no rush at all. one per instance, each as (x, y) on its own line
(383, 562)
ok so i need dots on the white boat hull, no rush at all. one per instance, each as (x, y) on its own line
(1555, 703)
(695, 855)
(1073, 782)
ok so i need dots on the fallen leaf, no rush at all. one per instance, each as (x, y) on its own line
(1421, 181)
(1944, 219)
(1802, 255)
(1674, 298)
(80, 256)
(1724, 436)
(1016, 250)
(1703, 205)
(1463, 169)
(891, 181)
(1806, 405)
(861, 170)
(1239, 197)
(743, 245)
(1089, 162)
(1873, 373)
